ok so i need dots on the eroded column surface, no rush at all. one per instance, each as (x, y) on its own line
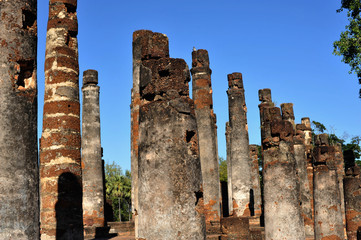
(239, 146)
(229, 169)
(328, 216)
(340, 166)
(146, 45)
(170, 202)
(60, 166)
(92, 166)
(305, 127)
(256, 200)
(301, 169)
(282, 212)
(352, 183)
(206, 129)
(19, 207)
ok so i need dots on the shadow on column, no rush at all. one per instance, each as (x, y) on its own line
(69, 214)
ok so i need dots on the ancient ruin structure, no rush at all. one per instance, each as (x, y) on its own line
(239, 146)
(255, 200)
(91, 156)
(19, 207)
(60, 168)
(207, 138)
(282, 211)
(301, 169)
(170, 203)
(327, 198)
(229, 169)
(352, 183)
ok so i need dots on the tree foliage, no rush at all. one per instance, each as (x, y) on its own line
(222, 169)
(118, 190)
(349, 45)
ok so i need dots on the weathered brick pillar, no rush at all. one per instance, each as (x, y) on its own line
(170, 202)
(60, 166)
(352, 183)
(340, 166)
(239, 146)
(93, 195)
(301, 169)
(256, 200)
(229, 168)
(146, 45)
(307, 134)
(282, 212)
(207, 140)
(328, 216)
(19, 207)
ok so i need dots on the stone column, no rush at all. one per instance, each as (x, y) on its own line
(170, 202)
(19, 206)
(93, 195)
(239, 146)
(256, 209)
(301, 169)
(229, 168)
(282, 211)
(60, 165)
(339, 161)
(305, 127)
(206, 130)
(352, 183)
(146, 45)
(328, 216)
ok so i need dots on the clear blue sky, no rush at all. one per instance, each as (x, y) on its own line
(282, 45)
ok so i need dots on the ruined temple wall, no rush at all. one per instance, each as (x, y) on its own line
(207, 138)
(19, 208)
(170, 203)
(282, 212)
(92, 166)
(327, 197)
(60, 161)
(239, 146)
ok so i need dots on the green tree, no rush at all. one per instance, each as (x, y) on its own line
(349, 45)
(222, 169)
(118, 190)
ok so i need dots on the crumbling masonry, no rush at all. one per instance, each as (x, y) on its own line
(19, 208)
(239, 146)
(206, 129)
(92, 165)
(327, 197)
(282, 211)
(60, 168)
(170, 203)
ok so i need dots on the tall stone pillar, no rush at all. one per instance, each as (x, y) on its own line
(92, 166)
(19, 208)
(282, 211)
(328, 216)
(170, 202)
(305, 127)
(60, 165)
(340, 166)
(146, 45)
(256, 200)
(239, 146)
(229, 169)
(352, 183)
(207, 141)
(301, 169)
